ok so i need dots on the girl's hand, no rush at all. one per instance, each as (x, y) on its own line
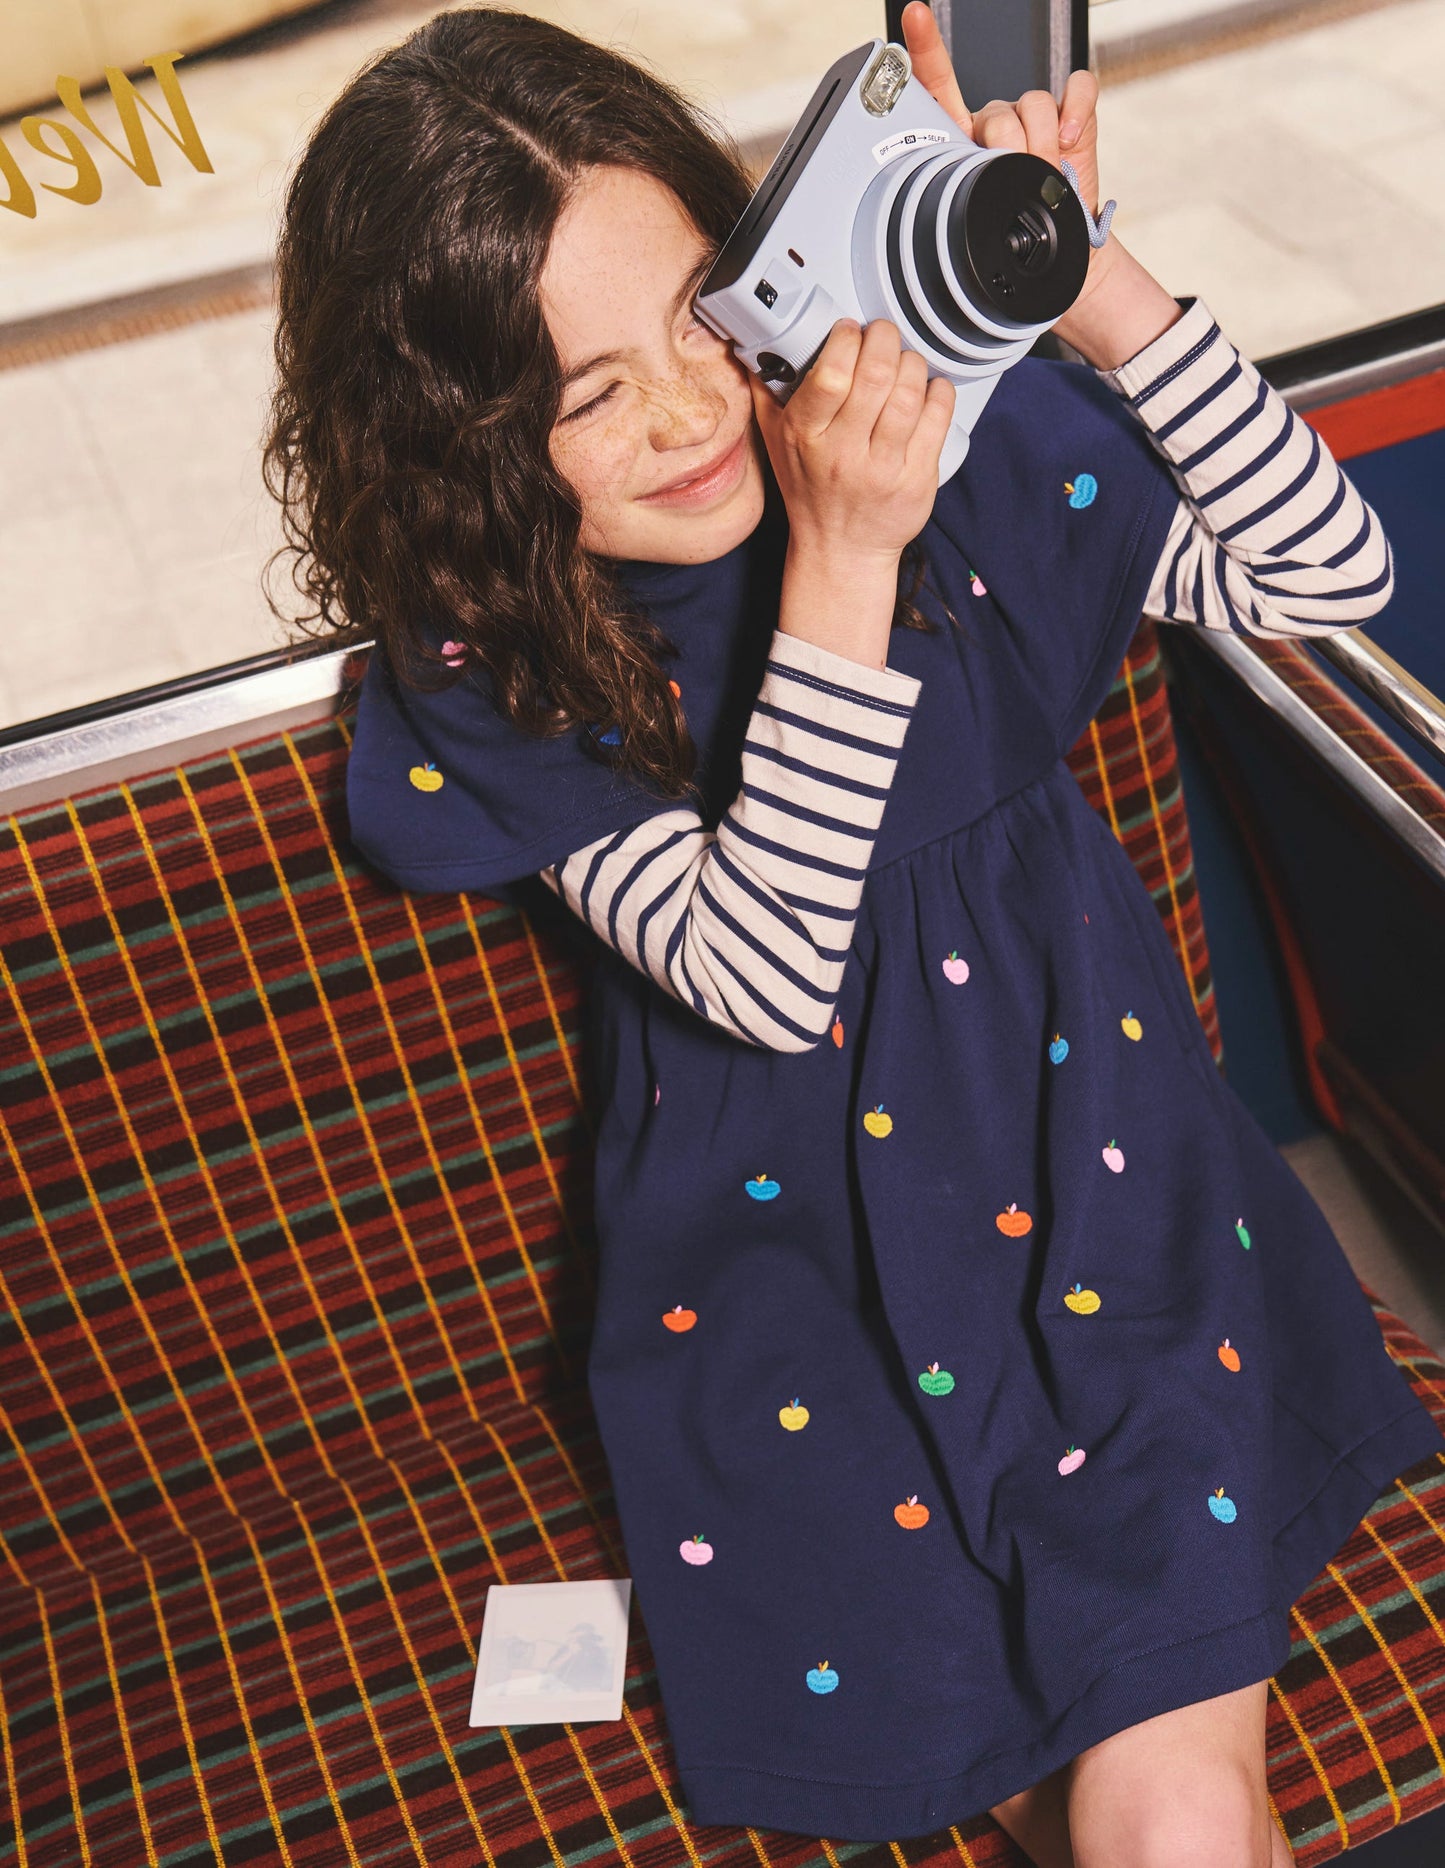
(856, 448)
(1035, 124)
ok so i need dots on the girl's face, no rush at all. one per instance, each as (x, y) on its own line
(656, 429)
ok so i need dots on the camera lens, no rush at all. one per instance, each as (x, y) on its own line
(1017, 242)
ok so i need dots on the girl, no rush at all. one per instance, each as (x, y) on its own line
(979, 1385)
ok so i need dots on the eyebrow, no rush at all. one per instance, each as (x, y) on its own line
(689, 285)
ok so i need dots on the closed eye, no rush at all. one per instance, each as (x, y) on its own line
(584, 408)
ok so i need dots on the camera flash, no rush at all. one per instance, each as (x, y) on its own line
(885, 79)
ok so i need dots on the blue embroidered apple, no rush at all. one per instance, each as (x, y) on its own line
(1058, 1050)
(1223, 1508)
(762, 1188)
(822, 1678)
(1082, 490)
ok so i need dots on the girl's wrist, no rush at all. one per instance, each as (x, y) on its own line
(840, 597)
(1119, 313)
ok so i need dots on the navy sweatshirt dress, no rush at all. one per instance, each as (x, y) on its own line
(980, 1381)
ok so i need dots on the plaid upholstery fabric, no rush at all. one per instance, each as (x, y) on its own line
(296, 1274)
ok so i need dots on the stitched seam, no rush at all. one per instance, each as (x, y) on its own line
(897, 708)
(1190, 357)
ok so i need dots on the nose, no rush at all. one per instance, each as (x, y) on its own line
(685, 408)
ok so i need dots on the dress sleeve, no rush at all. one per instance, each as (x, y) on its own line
(1269, 537)
(750, 925)
(445, 794)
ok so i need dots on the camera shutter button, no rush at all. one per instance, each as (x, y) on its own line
(786, 354)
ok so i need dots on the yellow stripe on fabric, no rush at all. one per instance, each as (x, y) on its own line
(499, 1182)
(1361, 1723)
(519, 1078)
(1101, 765)
(257, 1759)
(65, 1750)
(1160, 832)
(180, 1698)
(122, 1270)
(301, 1700)
(102, 1491)
(278, 1208)
(303, 1116)
(203, 1166)
(398, 1051)
(124, 1723)
(539, 966)
(357, 1102)
(1405, 1687)
(1406, 1579)
(21, 1855)
(1321, 1775)
(360, 1684)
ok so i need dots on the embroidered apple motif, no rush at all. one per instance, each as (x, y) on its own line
(1113, 1158)
(762, 1188)
(838, 1031)
(694, 1550)
(1083, 1303)
(679, 1319)
(912, 1516)
(1223, 1508)
(1082, 490)
(794, 1418)
(976, 583)
(1058, 1050)
(1229, 1357)
(1012, 1222)
(1243, 1235)
(656, 1094)
(877, 1123)
(954, 969)
(676, 689)
(822, 1678)
(935, 1381)
(426, 777)
(1131, 1027)
(1072, 1460)
(454, 653)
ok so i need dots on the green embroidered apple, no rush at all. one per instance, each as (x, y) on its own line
(935, 1381)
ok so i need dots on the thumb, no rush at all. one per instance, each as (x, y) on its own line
(767, 410)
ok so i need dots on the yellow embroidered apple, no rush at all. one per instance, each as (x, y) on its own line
(1083, 1303)
(876, 1122)
(794, 1417)
(1131, 1027)
(426, 777)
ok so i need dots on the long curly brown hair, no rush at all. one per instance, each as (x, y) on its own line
(417, 384)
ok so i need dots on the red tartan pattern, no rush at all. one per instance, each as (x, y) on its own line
(296, 1279)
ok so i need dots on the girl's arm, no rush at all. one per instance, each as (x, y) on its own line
(750, 924)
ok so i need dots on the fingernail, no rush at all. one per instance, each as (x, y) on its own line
(1068, 135)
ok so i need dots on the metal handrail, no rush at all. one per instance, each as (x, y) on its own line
(1390, 686)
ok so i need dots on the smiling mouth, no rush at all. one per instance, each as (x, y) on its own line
(712, 471)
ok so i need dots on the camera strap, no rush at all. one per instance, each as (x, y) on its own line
(1098, 229)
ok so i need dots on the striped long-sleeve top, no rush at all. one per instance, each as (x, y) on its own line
(750, 924)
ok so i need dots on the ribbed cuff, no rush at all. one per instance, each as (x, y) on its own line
(841, 672)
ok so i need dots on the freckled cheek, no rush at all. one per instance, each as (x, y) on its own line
(601, 466)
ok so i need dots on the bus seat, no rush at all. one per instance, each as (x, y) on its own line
(296, 1278)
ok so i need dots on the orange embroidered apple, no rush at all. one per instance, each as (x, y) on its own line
(876, 1122)
(912, 1516)
(1229, 1357)
(426, 777)
(838, 1031)
(1013, 1223)
(679, 1319)
(794, 1417)
(676, 689)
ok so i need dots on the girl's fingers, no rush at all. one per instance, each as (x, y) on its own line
(1039, 115)
(931, 64)
(824, 389)
(1081, 95)
(875, 374)
(926, 444)
(997, 126)
(899, 415)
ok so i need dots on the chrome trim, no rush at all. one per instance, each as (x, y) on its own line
(147, 739)
(1389, 685)
(1422, 840)
(1380, 373)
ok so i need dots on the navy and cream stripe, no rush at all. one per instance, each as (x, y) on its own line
(751, 926)
(1270, 538)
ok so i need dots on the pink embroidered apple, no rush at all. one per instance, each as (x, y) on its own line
(1113, 1158)
(1072, 1460)
(954, 969)
(694, 1550)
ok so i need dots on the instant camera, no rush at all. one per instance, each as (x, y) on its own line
(879, 206)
